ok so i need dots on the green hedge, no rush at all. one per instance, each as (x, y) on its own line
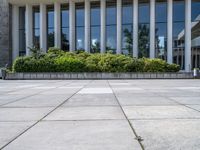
(59, 61)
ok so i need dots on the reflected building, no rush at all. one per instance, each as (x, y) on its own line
(165, 29)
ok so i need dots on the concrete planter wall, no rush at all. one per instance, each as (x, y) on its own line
(82, 76)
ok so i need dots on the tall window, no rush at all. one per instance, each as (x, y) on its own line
(111, 30)
(95, 27)
(65, 27)
(36, 27)
(127, 27)
(195, 43)
(22, 40)
(161, 29)
(143, 28)
(50, 26)
(179, 32)
(80, 23)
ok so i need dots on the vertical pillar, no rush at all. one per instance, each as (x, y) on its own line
(152, 28)
(170, 32)
(57, 25)
(72, 25)
(135, 28)
(43, 28)
(87, 25)
(119, 26)
(188, 35)
(15, 32)
(29, 28)
(103, 26)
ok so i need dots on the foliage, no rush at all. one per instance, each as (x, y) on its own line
(56, 60)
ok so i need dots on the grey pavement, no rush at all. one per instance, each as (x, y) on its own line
(100, 115)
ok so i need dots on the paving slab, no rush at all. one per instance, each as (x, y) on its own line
(169, 134)
(187, 100)
(10, 130)
(160, 112)
(86, 113)
(140, 100)
(40, 101)
(197, 107)
(23, 114)
(95, 91)
(77, 135)
(92, 100)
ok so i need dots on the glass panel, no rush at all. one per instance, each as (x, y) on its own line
(179, 32)
(65, 27)
(95, 27)
(111, 38)
(127, 25)
(161, 29)
(80, 23)
(195, 43)
(80, 38)
(143, 28)
(50, 26)
(111, 18)
(95, 39)
(36, 26)
(22, 36)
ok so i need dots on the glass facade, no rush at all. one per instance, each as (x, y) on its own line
(50, 26)
(22, 41)
(127, 27)
(111, 29)
(179, 32)
(161, 29)
(195, 37)
(80, 26)
(143, 28)
(36, 26)
(95, 27)
(65, 27)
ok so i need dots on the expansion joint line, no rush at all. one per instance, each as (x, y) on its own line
(138, 138)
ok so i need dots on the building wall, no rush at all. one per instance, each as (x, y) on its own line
(4, 34)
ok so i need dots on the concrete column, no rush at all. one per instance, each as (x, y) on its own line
(152, 28)
(87, 25)
(188, 35)
(43, 28)
(29, 28)
(119, 26)
(135, 28)
(170, 32)
(15, 32)
(57, 25)
(72, 25)
(103, 26)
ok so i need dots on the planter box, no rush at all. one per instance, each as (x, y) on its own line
(96, 75)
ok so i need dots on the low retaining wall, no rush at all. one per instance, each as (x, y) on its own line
(82, 76)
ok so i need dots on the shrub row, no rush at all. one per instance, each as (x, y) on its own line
(59, 61)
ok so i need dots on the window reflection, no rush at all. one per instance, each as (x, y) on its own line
(143, 28)
(127, 27)
(111, 25)
(195, 43)
(161, 29)
(80, 23)
(36, 26)
(65, 27)
(179, 32)
(22, 41)
(50, 26)
(95, 27)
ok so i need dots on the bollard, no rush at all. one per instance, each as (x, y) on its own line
(196, 72)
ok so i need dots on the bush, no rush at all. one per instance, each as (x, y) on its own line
(59, 61)
(67, 64)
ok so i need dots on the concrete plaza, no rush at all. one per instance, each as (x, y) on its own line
(100, 115)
